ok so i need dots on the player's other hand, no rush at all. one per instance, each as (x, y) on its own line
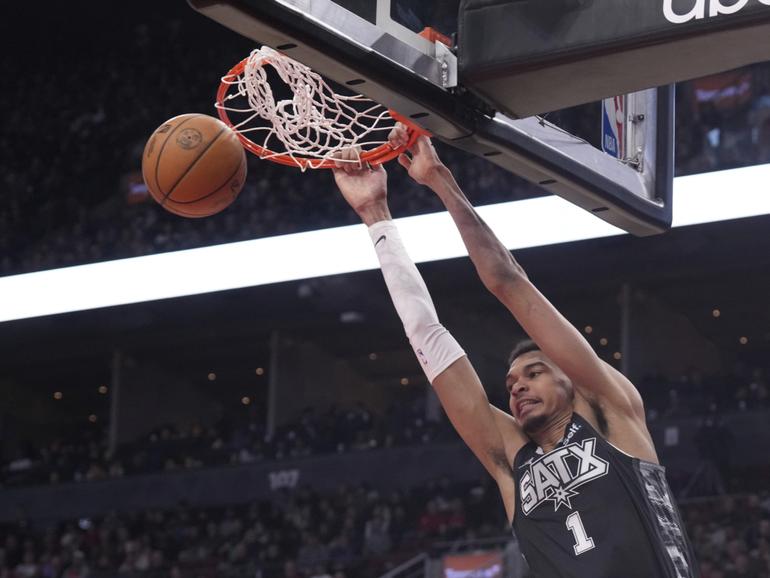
(364, 187)
(423, 165)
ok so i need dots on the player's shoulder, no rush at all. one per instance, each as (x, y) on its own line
(618, 395)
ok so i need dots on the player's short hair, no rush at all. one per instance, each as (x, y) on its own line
(522, 347)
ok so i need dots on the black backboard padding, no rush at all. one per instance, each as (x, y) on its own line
(527, 57)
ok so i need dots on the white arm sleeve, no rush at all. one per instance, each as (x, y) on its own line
(434, 346)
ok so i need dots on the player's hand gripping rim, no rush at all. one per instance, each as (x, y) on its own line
(420, 160)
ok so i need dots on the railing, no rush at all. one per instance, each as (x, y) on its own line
(417, 567)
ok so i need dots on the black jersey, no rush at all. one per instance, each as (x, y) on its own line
(587, 510)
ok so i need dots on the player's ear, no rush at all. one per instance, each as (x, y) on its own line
(568, 387)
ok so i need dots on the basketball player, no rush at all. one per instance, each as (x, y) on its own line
(574, 462)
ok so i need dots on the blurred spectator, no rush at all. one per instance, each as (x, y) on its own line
(714, 441)
(376, 532)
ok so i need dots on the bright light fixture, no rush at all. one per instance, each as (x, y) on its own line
(529, 223)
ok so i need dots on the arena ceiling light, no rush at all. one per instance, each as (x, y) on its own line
(530, 223)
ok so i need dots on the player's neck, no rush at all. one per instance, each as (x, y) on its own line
(553, 431)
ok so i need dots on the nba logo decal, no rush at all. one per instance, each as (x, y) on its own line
(189, 138)
(614, 127)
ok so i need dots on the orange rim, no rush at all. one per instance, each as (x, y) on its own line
(375, 156)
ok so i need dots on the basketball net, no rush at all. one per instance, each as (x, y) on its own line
(309, 129)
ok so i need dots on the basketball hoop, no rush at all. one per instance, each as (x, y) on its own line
(312, 124)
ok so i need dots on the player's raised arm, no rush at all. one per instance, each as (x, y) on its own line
(493, 437)
(506, 279)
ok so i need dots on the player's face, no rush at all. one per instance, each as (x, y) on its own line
(538, 390)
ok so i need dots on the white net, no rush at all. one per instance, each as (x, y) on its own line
(311, 124)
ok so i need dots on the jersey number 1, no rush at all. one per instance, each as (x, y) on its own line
(583, 542)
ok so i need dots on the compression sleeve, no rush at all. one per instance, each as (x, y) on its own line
(434, 346)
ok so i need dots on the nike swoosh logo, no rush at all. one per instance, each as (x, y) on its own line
(382, 238)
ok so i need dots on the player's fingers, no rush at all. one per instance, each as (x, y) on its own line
(393, 138)
(399, 136)
(357, 164)
(342, 159)
(424, 147)
(421, 144)
(337, 159)
(404, 161)
(352, 160)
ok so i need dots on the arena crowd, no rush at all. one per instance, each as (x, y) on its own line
(354, 532)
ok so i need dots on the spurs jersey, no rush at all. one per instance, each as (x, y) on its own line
(588, 510)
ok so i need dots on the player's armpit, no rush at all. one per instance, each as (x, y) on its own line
(568, 349)
(467, 406)
(513, 437)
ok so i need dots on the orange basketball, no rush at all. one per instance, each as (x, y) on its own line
(194, 165)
